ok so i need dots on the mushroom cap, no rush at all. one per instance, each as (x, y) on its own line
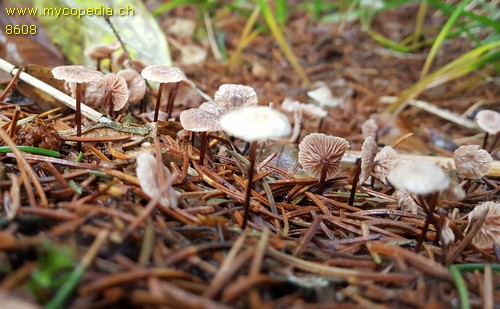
(471, 161)
(368, 153)
(308, 111)
(489, 121)
(135, 83)
(405, 201)
(233, 96)
(146, 172)
(419, 177)
(316, 147)
(489, 233)
(384, 163)
(163, 73)
(198, 120)
(255, 123)
(101, 51)
(77, 74)
(210, 107)
(369, 128)
(118, 87)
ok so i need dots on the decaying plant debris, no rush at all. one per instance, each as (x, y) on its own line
(151, 215)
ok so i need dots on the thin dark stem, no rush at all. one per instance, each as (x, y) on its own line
(485, 140)
(109, 101)
(171, 98)
(248, 193)
(98, 67)
(203, 147)
(11, 84)
(357, 171)
(158, 99)
(78, 115)
(495, 140)
(429, 209)
(324, 169)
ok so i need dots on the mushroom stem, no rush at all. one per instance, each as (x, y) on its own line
(109, 102)
(78, 115)
(203, 147)
(324, 169)
(492, 146)
(357, 171)
(248, 193)
(485, 140)
(429, 210)
(158, 99)
(171, 98)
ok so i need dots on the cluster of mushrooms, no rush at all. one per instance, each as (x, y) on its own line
(234, 110)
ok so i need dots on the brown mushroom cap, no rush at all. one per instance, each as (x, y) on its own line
(77, 74)
(471, 161)
(163, 74)
(419, 177)
(489, 233)
(233, 96)
(255, 123)
(118, 87)
(316, 147)
(368, 153)
(135, 83)
(489, 121)
(100, 51)
(406, 201)
(198, 120)
(308, 111)
(384, 162)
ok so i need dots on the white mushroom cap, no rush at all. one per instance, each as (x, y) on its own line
(310, 111)
(198, 120)
(489, 121)
(255, 123)
(315, 148)
(232, 96)
(161, 73)
(369, 128)
(385, 161)
(77, 74)
(489, 233)
(419, 177)
(368, 153)
(471, 161)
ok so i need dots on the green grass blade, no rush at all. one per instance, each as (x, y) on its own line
(34, 150)
(281, 11)
(170, 5)
(459, 67)
(442, 36)
(280, 39)
(461, 287)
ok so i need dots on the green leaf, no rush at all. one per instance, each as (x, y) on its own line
(139, 30)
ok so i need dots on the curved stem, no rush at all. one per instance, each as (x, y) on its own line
(171, 98)
(203, 147)
(321, 184)
(429, 209)
(158, 99)
(78, 115)
(248, 193)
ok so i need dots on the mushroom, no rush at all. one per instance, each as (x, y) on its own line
(320, 156)
(471, 161)
(311, 114)
(232, 96)
(135, 83)
(102, 51)
(164, 74)
(203, 119)
(253, 124)
(368, 153)
(77, 74)
(383, 163)
(370, 128)
(426, 180)
(115, 92)
(489, 233)
(405, 201)
(489, 121)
